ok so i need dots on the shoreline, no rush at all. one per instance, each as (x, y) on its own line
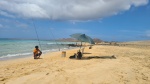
(12, 49)
(26, 56)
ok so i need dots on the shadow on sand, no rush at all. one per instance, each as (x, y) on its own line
(98, 57)
(87, 53)
(38, 58)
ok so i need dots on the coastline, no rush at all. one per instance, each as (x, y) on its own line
(31, 55)
(17, 48)
(130, 65)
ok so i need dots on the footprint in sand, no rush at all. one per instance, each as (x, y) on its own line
(144, 77)
(47, 73)
(3, 79)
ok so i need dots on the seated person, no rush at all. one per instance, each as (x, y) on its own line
(79, 55)
(36, 52)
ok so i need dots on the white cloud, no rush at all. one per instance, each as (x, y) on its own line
(67, 9)
(6, 14)
(20, 24)
(12, 23)
(1, 25)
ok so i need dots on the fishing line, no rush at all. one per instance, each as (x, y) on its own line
(62, 42)
(54, 39)
(51, 34)
(36, 34)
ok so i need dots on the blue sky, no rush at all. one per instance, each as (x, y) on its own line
(115, 20)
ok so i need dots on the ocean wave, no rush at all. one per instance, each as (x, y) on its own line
(51, 43)
(26, 54)
(15, 55)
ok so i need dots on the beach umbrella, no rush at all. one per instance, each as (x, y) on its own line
(83, 38)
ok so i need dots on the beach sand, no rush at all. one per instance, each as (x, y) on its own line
(99, 65)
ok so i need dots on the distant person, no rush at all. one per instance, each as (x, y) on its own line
(36, 52)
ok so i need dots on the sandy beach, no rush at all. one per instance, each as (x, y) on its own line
(99, 65)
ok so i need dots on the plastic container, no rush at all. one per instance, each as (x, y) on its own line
(63, 54)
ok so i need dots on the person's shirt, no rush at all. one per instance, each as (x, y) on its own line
(35, 51)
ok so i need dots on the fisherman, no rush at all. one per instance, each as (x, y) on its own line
(36, 52)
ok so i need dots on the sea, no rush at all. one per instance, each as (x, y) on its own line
(19, 48)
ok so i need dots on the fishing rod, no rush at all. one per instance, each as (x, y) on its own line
(35, 28)
(50, 31)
